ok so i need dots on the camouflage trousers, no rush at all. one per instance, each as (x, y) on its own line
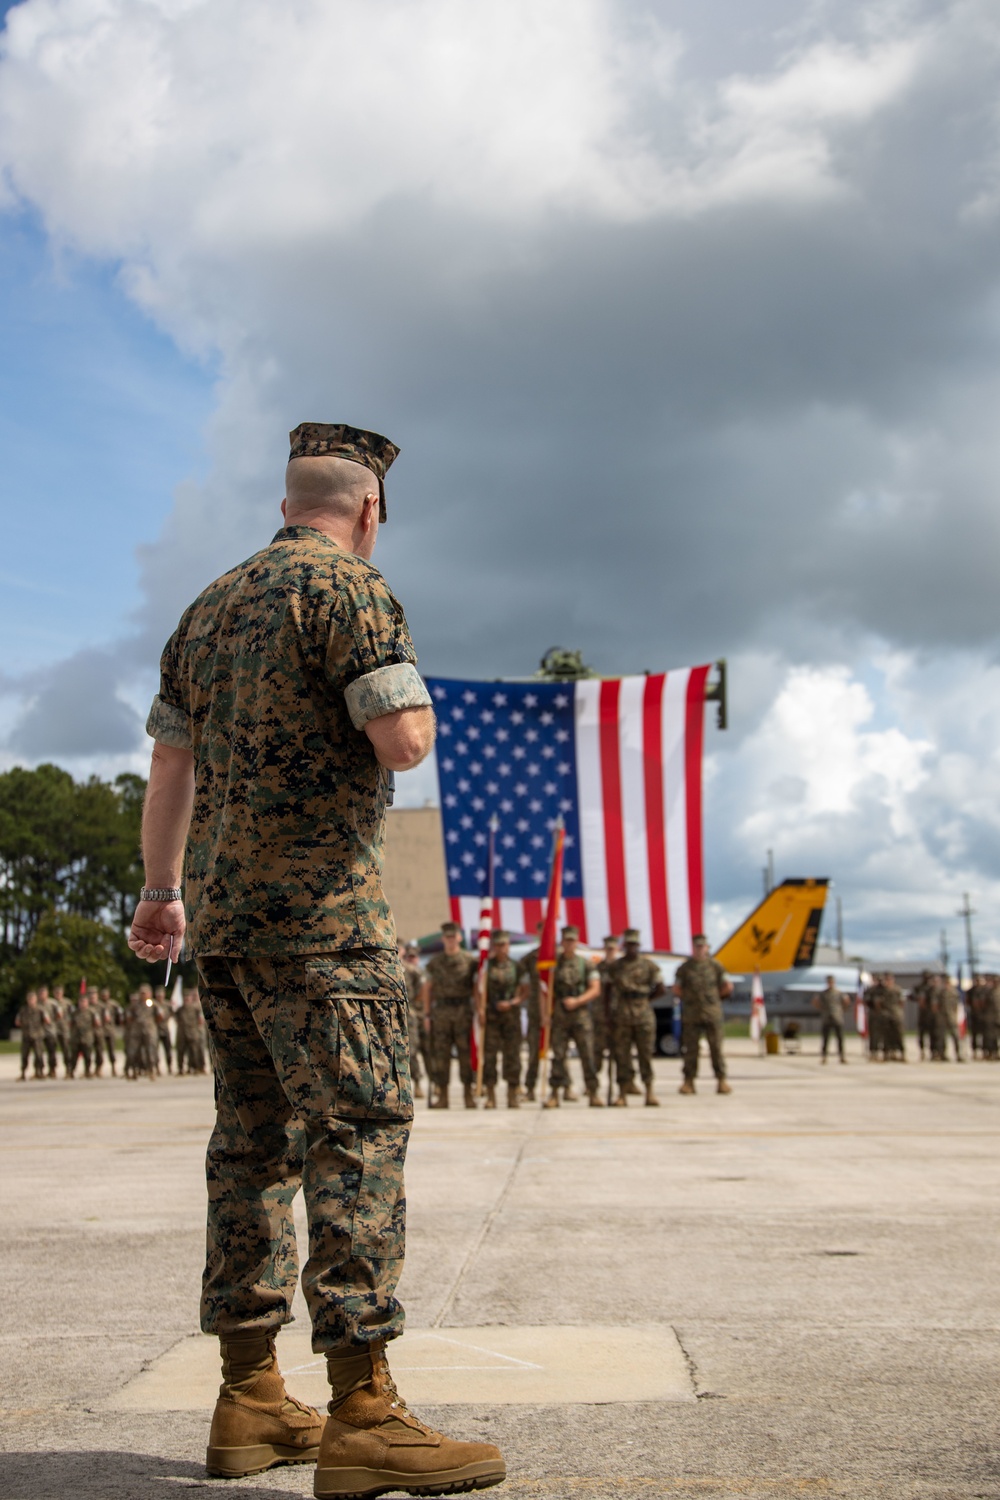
(88, 1051)
(635, 1026)
(572, 1026)
(31, 1048)
(693, 1027)
(502, 1034)
(415, 1032)
(450, 1025)
(534, 1042)
(312, 1085)
(604, 1023)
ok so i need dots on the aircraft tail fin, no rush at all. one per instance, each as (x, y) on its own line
(781, 933)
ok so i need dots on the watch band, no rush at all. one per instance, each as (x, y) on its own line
(160, 893)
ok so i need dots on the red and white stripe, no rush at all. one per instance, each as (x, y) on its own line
(638, 761)
(639, 743)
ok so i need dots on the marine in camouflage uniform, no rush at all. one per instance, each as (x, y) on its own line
(947, 1014)
(991, 1018)
(85, 1037)
(290, 686)
(922, 996)
(603, 1017)
(974, 1018)
(575, 983)
(530, 995)
(502, 1029)
(449, 981)
(832, 1005)
(30, 1023)
(413, 974)
(50, 1028)
(636, 980)
(64, 1027)
(885, 1000)
(191, 1034)
(161, 1016)
(110, 1014)
(701, 984)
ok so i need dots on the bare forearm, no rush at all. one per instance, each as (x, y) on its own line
(166, 815)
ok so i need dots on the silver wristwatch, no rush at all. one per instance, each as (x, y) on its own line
(160, 893)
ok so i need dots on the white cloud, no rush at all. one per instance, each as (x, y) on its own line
(566, 268)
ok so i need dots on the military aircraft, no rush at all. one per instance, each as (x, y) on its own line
(779, 938)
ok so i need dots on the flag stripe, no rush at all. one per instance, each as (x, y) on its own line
(652, 767)
(675, 806)
(588, 778)
(692, 775)
(575, 909)
(633, 794)
(532, 915)
(611, 795)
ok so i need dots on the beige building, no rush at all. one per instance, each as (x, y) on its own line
(414, 870)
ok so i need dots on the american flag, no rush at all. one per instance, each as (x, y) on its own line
(618, 758)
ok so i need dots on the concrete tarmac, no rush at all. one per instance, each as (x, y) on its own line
(791, 1290)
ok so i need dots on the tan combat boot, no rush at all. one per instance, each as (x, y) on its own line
(622, 1101)
(491, 1096)
(439, 1099)
(651, 1099)
(632, 1087)
(256, 1423)
(513, 1096)
(570, 1094)
(530, 1096)
(373, 1444)
(470, 1098)
(687, 1087)
(594, 1099)
(552, 1102)
(723, 1087)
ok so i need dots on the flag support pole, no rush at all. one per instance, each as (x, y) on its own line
(547, 957)
(485, 929)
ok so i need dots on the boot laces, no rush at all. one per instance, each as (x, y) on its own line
(389, 1385)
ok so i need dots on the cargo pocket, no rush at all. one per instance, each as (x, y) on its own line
(378, 1231)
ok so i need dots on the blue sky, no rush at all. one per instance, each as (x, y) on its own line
(100, 417)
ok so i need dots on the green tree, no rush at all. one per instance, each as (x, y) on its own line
(64, 949)
(66, 849)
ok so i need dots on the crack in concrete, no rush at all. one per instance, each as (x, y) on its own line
(440, 1320)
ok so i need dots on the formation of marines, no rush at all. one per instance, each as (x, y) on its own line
(602, 1009)
(84, 1034)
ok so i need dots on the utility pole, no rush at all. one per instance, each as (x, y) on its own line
(840, 929)
(968, 912)
(945, 955)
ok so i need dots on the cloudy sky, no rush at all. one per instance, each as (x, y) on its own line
(684, 315)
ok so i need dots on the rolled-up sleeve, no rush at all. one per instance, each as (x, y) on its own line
(385, 691)
(168, 725)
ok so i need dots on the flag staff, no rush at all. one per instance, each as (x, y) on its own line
(485, 932)
(547, 953)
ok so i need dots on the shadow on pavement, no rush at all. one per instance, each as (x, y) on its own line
(125, 1476)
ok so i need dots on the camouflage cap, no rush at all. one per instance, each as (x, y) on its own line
(447, 927)
(500, 935)
(571, 932)
(611, 938)
(699, 937)
(633, 935)
(337, 440)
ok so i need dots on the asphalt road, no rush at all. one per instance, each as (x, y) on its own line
(820, 1246)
